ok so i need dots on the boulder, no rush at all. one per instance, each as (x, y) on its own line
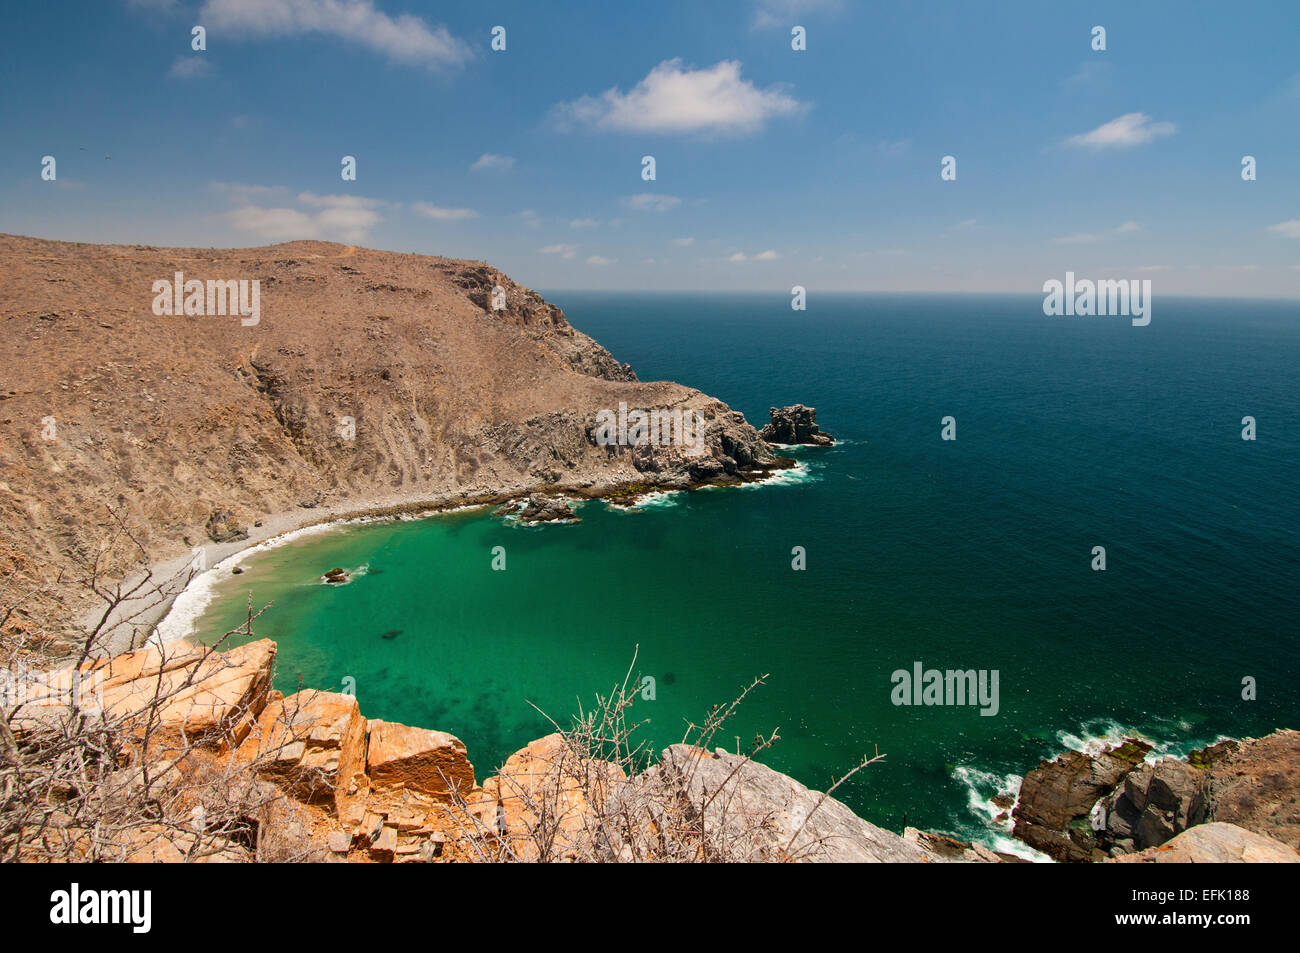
(540, 797)
(1055, 810)
(1215, 843)
(431, 762)
(222, 527)
(176, 693)
(795, 425)
(781, 820)
(313, 744)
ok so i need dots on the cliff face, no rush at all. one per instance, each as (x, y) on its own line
(369, 377)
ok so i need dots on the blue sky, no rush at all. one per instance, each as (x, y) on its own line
(774, 167)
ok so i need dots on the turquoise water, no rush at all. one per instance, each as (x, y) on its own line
(974, 553)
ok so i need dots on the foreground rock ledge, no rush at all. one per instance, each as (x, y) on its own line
(335, 786)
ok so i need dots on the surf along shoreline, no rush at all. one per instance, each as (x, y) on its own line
(145, 620)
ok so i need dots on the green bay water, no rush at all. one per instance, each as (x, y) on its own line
(970, 554)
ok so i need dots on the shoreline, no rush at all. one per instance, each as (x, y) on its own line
(150, 613)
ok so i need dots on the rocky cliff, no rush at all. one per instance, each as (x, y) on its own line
(369, 378)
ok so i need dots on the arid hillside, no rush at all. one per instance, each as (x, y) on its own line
(370, 378)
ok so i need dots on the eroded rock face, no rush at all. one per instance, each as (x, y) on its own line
(1054, 813)
(431, 762)
(315, 743)
(1215, 843)
(797, 824)
(179, 692)
(796, 424)
(537, 793)
(449, 398)
(1155, 803)
(1255, 784)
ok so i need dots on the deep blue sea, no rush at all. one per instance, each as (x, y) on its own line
(974, 553)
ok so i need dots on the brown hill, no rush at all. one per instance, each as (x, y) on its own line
(191, 427)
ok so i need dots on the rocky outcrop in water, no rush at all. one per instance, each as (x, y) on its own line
(1082, 807)
(1054, 811)
(795, 425)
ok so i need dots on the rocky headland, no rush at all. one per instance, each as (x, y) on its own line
(372, 383)
(1118, 805)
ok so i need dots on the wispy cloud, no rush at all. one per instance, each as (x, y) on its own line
(439, 214)
(651, 202)
(774, 13)
(491, 161)
(583, 223)
(1088, 238)
(563, 250)
(684, 242)
(1130, 129)
(599, 260)
(1287, 229)
(189, 67)
(346, 218)
(404, 39)
(675, 100)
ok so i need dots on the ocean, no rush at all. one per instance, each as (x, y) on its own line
(968, 554)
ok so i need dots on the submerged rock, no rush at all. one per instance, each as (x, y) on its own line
(796, 424)
(539, 508)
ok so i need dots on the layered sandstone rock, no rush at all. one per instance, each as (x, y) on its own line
(545, 792)
(430, 762)
(312, 742)
(171, 694)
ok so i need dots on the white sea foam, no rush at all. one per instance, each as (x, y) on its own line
(192, 601)
(981, 788)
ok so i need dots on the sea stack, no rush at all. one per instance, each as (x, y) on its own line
(795, 425)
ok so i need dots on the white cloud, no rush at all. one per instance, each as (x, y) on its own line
(675, 100)
(684, 242)
(276, 224)
(599, 260)
(583, 223)
(346, 218)
(965, 223)
(1130, 129)
(772, 13)
(405, 39)
(1287, 229)
(564, 251)
(1088, 238)
(738, 256)
(490, 160)
(444, 214)
(651, 202)
(189, 67)
(768, 255)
